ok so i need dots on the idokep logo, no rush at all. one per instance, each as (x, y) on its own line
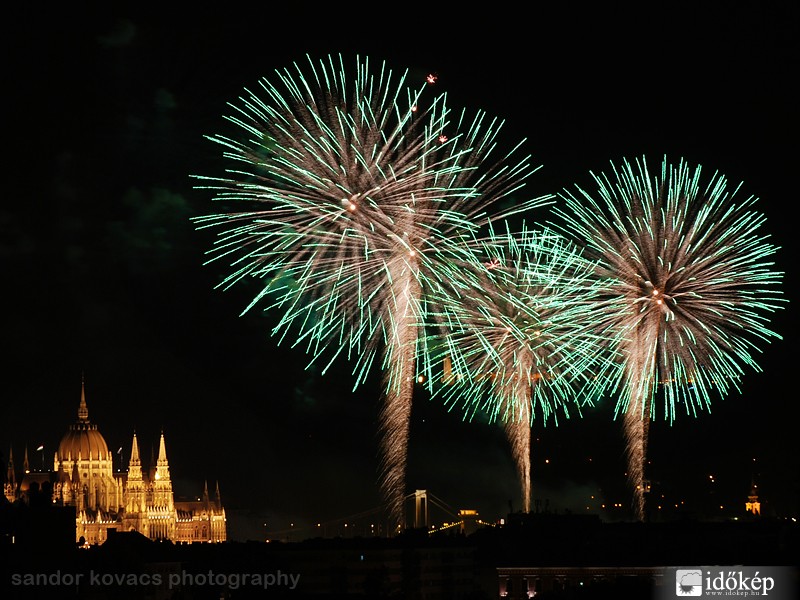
(775, 583)
(689, 582)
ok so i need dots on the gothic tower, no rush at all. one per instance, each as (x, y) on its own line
(135, 494)
(10, 484)
(162, 511)
(752, 505)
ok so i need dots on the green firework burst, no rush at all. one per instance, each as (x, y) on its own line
(697, 285)
(341, 184)
(517, 336)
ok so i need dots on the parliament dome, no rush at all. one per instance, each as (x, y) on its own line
(83, 439)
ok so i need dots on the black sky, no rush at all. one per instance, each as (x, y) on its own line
(103, 269)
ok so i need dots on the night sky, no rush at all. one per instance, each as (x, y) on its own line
(103, 275)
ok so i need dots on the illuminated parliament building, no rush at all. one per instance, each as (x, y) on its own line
(140, 499)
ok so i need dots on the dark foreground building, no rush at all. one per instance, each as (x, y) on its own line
(542, 555)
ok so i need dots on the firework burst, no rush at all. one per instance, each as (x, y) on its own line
(697, 284)
(517, 337)
(346, 184)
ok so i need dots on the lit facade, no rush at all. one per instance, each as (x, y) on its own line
(137, 500)
(753, 505)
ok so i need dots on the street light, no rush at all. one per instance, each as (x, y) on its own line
(41, 449)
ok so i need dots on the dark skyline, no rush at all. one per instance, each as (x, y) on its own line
(104, 275)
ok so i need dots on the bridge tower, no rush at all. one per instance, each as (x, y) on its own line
(421, 509)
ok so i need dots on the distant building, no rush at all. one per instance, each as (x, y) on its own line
(521, 583)
(753, 505)
(137, 500)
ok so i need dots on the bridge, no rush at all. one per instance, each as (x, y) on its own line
(424, 511)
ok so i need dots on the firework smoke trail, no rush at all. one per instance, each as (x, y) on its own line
(517, 332)
(348, 188)
(517, 427)
(639, 360)
(399, 379)
(697, 283)
(636, 426)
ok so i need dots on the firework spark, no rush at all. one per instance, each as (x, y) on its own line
(348, 185)
(517, 334)
(698, 287)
